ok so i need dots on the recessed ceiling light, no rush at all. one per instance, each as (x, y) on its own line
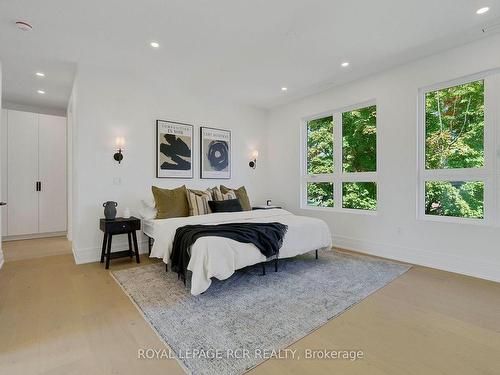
(155, 44)
(24, 26)
(41, 92)
(345, 64)
(482, 10)
(40, 74)
(284, 88)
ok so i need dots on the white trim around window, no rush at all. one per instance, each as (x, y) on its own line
(489, 174)
(338, 176)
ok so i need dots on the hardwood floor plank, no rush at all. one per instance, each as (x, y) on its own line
(35, 248)
(60, 318)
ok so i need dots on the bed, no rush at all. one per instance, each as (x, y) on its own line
(220, 257)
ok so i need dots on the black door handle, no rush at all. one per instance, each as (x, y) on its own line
(2, 203)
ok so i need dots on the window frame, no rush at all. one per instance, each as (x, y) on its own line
(337, 178)
(488, 173)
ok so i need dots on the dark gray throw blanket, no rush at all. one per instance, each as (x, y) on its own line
(267, 237)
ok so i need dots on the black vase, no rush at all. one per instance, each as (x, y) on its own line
(110, 210)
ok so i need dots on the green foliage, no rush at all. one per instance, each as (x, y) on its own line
(457, 198)
(359, 140)
(320, 194)
(359, 195)
(359, 155)
(454, 127)
(320, 146)
(454, 138)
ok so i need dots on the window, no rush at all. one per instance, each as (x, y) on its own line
(320, 194)
(359, 140)
(454, 127)
(359, 195)
(455, 198)
(456, 167)
(341, 160)
(320, 146)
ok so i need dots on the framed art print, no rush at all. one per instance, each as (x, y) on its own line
(174, 149)
(215, 153)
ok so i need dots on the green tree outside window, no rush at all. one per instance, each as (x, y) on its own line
(454, 138)
(359, 140)
(320, 146)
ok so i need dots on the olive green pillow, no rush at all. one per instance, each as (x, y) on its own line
(241, 194)
(170, 202)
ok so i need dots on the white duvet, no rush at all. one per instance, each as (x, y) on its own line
(220, 257)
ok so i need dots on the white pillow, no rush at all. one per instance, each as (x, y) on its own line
(148, 210)
(149, 202)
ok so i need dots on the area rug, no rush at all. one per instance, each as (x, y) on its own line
(230, 328)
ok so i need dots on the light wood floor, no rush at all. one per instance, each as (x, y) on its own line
(29, 249)
(59, 318)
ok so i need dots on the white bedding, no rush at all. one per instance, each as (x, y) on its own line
(220, 257)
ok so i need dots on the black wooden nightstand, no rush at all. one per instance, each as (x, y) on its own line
(116, 226)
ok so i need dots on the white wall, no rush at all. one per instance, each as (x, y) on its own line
(463, 248)
(1, 186)
(111, 103)
(70, 147)
(4, 196)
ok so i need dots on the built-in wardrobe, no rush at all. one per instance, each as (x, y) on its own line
(33, 154)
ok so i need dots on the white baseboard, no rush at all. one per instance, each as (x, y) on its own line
(426, 258)
(33, 236)
(93, 254)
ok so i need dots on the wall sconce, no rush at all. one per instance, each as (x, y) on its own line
(118, 156)
(253, 163)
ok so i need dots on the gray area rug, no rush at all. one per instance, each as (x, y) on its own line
(249, 311)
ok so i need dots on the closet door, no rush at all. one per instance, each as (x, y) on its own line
(52, 173)
(22, 173)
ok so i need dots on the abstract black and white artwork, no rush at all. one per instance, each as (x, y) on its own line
(215, 145)
(174, 149)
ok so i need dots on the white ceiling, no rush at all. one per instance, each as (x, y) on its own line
(243, 51)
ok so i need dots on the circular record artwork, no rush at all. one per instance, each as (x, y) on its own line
(218, 155)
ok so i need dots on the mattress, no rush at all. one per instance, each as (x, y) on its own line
(220, 257)
(148, 227)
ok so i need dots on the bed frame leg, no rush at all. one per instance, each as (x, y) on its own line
(316, 253)
(276, 265)
(263, 269)
(166, 267)
(150, 244)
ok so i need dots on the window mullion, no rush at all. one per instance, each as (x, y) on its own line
(491, 143)
(465, 174)
(359, 177)
(319, 178)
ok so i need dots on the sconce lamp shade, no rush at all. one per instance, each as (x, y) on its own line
(120, 142)
(118, 156)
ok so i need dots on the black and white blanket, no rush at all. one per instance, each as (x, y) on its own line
(267, 237)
